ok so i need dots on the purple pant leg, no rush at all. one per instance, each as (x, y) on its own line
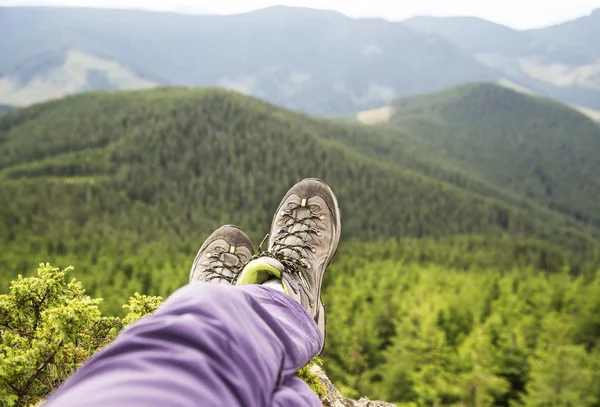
(207, 345)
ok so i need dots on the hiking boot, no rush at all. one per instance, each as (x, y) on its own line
(222, 256)
(303, 240)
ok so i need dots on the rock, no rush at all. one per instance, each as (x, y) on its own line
(333, 398)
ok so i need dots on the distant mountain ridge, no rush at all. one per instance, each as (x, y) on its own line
(315, 61)
(582, 32)
(553, 62)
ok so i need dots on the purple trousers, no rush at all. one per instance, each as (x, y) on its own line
(207, 345)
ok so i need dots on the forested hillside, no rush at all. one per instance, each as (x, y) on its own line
(535, 147)
(466, 280)
(94, 178)
(420, 329)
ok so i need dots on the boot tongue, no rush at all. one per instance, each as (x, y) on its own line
(228, 260)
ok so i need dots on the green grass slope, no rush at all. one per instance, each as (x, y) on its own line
(539, 149)
(127, 185)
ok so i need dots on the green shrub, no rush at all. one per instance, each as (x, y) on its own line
(48, 327)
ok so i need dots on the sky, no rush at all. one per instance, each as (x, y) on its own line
(520, 14)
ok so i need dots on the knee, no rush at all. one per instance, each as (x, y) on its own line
(204, 290)
(205, 298)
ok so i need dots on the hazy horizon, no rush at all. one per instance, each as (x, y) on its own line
(512, 13)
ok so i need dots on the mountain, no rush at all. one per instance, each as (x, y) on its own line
(315, 61)
(93, 178)
(5, 108)
(320, 62)
(474, 284)
(473, 34)
(580, 32)
(535, 147)
(563, 70)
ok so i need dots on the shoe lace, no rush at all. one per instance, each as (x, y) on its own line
(215, 268)
(293, 262)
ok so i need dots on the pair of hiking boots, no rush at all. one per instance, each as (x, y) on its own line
(304, 237)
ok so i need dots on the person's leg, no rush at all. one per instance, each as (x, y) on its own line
(217, 345)
(208, 345)
(304, 238)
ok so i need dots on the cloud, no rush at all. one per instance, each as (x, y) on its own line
(244, 84)
(371, 49)
(375, 93)
(299, 77)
